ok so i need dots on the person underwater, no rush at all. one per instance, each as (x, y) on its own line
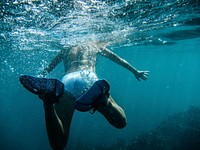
(80, 89)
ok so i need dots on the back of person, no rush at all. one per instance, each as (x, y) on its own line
(80, 57)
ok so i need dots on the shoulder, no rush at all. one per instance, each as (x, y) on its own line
(65, 51)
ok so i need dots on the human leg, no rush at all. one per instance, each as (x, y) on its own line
(58, 106)
(112, 112)
(58, 119)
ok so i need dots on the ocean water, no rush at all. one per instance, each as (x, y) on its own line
(160, 36)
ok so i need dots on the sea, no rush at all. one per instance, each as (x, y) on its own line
(159, 36)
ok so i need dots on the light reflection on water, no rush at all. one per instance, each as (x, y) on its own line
(36, 24)
(35, 29)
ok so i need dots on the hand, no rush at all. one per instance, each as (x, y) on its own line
(141, 74)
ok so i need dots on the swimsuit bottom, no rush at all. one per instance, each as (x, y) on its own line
(77, 83)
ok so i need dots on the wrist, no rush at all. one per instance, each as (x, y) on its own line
(134, 71)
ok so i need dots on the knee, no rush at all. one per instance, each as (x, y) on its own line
(58, 146)
(121, 123)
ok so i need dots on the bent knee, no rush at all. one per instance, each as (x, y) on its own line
(121, 123)
(57, 146)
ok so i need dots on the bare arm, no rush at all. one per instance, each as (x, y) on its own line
(115, 58)
(53, 64)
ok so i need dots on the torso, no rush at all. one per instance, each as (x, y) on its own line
(80, 58)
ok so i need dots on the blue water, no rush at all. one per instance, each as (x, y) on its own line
(160, 36)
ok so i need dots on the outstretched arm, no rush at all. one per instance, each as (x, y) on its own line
(52, 64)
(115, 58)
